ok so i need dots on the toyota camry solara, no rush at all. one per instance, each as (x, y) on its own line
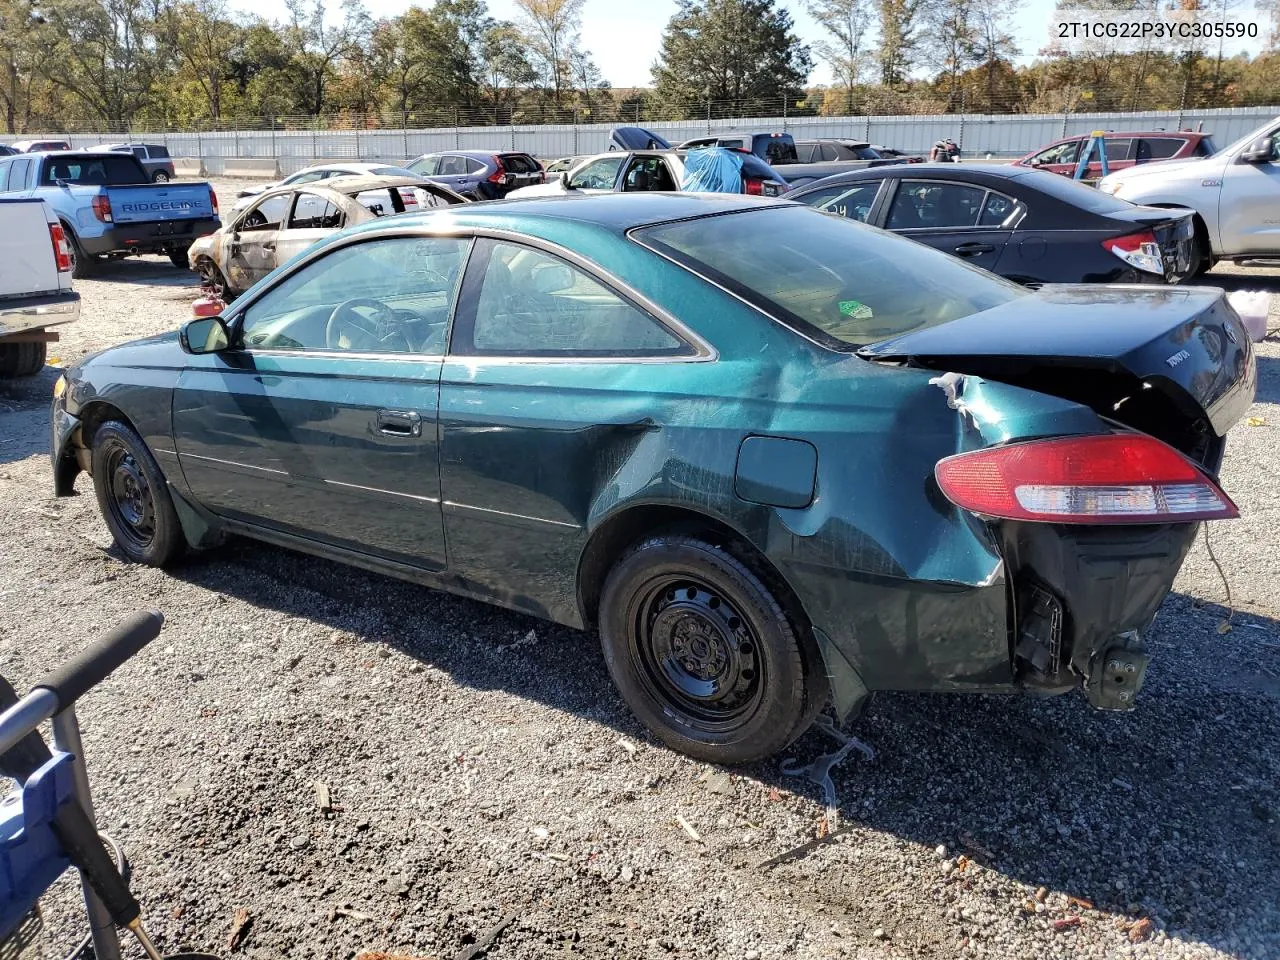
(775, 458)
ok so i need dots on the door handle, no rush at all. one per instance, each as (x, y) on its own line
(972, 249)
(400, 423)
(268, 245)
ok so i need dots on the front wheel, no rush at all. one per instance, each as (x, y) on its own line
(22, 359)
(133, 498)
(703, 653)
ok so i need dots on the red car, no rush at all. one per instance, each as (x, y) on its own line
(1123, 150)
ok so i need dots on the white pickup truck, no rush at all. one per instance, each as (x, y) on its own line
(1235, 194)
(35, 284)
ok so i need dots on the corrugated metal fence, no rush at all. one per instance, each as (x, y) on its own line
(977, 134)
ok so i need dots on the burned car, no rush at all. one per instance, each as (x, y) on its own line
(770, 474)
(283, 221)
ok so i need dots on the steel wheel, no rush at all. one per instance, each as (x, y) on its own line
(695, 653)
(130, 500)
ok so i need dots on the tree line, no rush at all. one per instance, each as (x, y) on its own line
(181, 64)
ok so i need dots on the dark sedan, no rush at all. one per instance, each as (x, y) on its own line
(770, 474)
(1028, 226)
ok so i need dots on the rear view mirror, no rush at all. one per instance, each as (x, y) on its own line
(204, 335)
(1261, 150)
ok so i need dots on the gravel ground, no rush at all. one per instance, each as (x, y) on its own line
(481, 766)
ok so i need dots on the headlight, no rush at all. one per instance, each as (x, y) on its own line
(60, 387)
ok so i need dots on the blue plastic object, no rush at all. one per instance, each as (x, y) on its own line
(31, 858)
(712, 170)
(1097, 141)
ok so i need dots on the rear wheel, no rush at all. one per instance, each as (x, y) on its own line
(133, 498)
(180, 259)
(703, 653)
(161, 177)
(22, 359)
(82, 264)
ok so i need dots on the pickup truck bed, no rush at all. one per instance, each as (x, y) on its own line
(35, 284)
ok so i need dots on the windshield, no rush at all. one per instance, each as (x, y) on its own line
(840, 282)
(1268, 130)
(393, 172)
(111, 170)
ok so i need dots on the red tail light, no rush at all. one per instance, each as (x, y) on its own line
(753, 186)
(1108, 478)
(499, 176)
(213, 201)
(61, 249)
(1138, 250)
(102, 208)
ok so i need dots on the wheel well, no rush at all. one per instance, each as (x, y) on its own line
(631, 527)
(95, 415)
(1202, 228)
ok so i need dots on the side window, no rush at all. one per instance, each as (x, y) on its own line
(310, 177)
(524, 302)
(425, 166)
(382, 296)
(473, 165)
(1158, 148)
(4, 176)
(267, 215)
(139, 152)
(845, 201)
(919, 204)
(312, 212)
(158, 153)
(648, 173)
(18, 174)
(1117, 149)
(996, 210)
(449, 166)
(598, 174)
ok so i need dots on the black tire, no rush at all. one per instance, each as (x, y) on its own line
(704, 654)
(22, 359)
(180, 259)
(160, 177)
(82, 264)
(133, 498)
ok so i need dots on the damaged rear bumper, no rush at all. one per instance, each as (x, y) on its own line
(1083, 601)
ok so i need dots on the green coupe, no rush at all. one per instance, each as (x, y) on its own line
(776, 458)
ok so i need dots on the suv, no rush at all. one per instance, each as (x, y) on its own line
(154, 158)
(1123, 150)
(480, 174)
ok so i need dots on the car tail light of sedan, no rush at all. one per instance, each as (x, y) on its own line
(61, 249)
(759, 187)
(213, 200)
(500, 176)
(1107, 478)
(1138, 250)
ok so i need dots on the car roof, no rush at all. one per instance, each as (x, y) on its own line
(360, 184)
(1181, 134)
(918, 171)
(613, 212)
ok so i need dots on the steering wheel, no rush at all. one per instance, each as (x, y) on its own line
(363, 331)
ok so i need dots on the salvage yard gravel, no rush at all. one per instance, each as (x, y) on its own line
(313, 761)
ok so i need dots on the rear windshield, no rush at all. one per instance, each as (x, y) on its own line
(1074, 192)
(866, 153)
(840, 282)
(1206, 147)
(520, 163)
(114, 170)
(158, 153)
(753, 166)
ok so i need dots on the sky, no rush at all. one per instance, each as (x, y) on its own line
(624, 38)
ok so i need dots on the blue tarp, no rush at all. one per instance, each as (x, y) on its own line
(713, 170)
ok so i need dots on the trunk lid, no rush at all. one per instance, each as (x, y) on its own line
(148, 203)
(1174, 362)
(636, 138)
(1174, 230)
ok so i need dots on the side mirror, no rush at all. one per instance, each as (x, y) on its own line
(563, 177)
(204, 335)
(1261, 150)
